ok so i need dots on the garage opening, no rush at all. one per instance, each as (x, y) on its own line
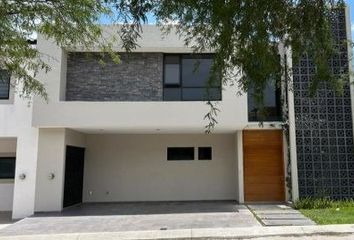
(263, 166)
(74, 175)
(160, 167)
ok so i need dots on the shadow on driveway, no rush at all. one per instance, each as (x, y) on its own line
(6, 219)
(142, 208)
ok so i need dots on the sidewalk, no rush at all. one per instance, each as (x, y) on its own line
(4, 225)
(288, 232)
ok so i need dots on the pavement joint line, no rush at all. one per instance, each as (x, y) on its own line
(266, 218)
(221, 233)
(285, 217)
(255, 215)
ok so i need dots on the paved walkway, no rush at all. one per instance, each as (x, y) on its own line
(279, 215)
(121, 217)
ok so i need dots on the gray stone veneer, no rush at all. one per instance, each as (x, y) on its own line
(137, 78)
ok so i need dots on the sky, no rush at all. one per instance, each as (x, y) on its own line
(351, 6)
(350, 3)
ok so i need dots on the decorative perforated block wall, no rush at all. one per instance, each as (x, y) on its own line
(324, 127)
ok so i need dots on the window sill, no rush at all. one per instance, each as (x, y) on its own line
(8, 101)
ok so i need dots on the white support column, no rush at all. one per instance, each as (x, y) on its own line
(239, 145)
(26, 164)
(292, 133)
(51, 159)
(350, 57)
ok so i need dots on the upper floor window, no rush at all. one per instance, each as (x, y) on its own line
(4, 84)
(272, 105)
(187, 76)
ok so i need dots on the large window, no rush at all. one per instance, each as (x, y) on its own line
(4, 84)
(272, 105)
(187, 78)
(7, 167)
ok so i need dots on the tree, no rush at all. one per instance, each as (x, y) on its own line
(69, 22)
(244, 34)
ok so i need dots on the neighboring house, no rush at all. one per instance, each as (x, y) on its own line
(135, 132)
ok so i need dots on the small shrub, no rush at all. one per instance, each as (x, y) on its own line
(313, 203)
(321, 203)
(344, 203)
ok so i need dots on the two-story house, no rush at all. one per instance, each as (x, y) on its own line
(135, 131)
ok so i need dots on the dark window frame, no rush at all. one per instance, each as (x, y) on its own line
(180, 85)
(278, 103)
(12, 175)
(169, 158)
(278, 90)
(8, 83)
(180, 71)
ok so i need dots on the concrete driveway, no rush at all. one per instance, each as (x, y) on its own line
(116, 217)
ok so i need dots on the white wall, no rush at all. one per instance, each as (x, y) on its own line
(16, 122)
(51, 159)
(240, 167)
(74, 138)
(153, 40)
(135, 168)
(350, 56)
(6, 194)
(7, 149)
(51, 152)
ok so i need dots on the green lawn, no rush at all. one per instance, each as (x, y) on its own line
(344, 215)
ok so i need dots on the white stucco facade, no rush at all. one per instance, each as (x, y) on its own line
(125, 142)
(37, 133)
(18, 138)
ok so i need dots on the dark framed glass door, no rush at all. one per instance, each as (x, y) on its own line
(74, 175)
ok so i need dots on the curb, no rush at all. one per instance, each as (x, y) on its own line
(208, 233)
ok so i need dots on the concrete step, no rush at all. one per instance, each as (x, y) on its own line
(282, 216)
(277, 212)
(288, 222)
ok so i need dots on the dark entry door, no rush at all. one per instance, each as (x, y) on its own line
(74, 175)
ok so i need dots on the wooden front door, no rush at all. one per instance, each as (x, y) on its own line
(263, 166)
